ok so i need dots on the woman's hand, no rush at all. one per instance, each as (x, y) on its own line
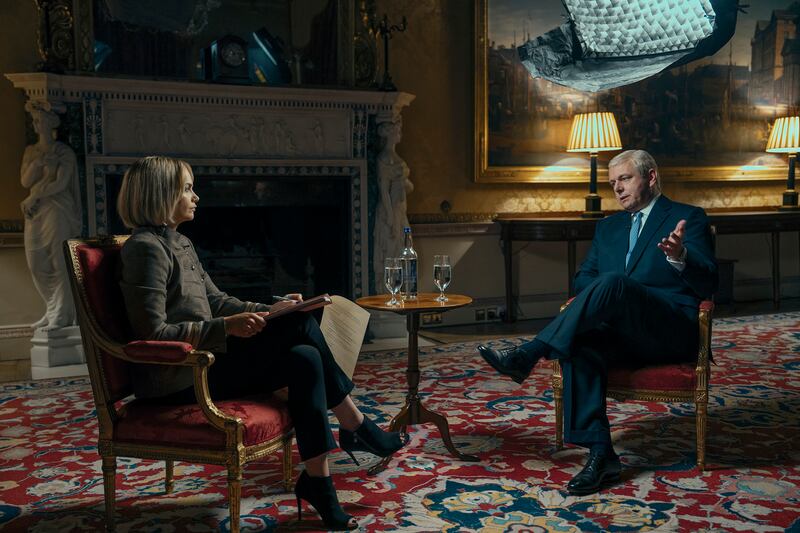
(244, 324)
(296, 296)
(277, 306)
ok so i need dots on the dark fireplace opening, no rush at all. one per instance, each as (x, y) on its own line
(258, 237)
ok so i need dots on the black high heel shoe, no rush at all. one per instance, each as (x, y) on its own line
(368, 437)
(319, 492)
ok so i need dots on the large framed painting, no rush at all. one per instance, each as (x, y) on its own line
(708, 120)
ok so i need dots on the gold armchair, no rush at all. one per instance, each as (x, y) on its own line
(230, 433)
(679, 382)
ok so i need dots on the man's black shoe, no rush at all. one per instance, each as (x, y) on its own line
(601, 469)
(511, 362)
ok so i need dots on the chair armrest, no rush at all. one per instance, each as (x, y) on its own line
(704, 315)
(161, 352)
(184, 354)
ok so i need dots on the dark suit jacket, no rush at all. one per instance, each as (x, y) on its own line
(648, 264)
(169, 296)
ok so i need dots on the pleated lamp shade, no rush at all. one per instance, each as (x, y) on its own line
(594, 132)
(785, 135)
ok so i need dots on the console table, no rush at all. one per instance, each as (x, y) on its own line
(571, 228)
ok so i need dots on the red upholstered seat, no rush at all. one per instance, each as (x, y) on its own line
(229, 433)
(145, 422)
(659, 377)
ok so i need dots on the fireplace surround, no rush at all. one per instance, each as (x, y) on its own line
(282, 150)
(250, 134)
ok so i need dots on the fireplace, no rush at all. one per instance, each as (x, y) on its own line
(269, 235)
(287, 176)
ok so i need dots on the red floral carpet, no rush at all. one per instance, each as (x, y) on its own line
(50, 472)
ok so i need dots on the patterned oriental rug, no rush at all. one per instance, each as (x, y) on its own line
(50, 472)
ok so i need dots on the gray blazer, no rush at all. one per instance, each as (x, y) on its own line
(169, 296)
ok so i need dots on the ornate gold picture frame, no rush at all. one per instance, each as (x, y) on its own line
(705, 121)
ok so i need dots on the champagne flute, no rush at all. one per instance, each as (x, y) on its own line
(442, 274)
(392, 278)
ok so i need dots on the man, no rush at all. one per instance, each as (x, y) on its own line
(638, 292)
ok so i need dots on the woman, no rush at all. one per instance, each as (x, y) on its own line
(169, 296)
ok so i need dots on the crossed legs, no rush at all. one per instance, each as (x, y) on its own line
(613, 318)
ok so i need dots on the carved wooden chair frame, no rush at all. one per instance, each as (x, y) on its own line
(96, 343)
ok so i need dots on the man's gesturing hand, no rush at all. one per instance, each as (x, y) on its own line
(244, 324)
(672, 245)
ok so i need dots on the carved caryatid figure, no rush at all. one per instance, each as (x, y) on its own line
(393, 187)
(52, 214)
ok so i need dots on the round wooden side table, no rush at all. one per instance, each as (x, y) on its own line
(413, 412)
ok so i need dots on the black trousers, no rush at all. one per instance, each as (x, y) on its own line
(615, 320)
(289, 352)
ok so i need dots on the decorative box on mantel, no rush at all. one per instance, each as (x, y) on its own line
(257, 152)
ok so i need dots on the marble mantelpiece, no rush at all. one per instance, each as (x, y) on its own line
(236, 130)
(248, 132)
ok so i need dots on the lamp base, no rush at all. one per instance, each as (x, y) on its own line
(593, 206)
(789, 201)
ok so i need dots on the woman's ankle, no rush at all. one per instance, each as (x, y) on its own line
(352, 425)
(349, 416)
(317, 466)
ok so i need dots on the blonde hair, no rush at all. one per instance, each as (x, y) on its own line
(642, 160)
(151, 189)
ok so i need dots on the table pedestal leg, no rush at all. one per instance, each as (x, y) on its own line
(413, 412)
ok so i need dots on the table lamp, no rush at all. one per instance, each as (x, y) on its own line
(593, 132)
(785, 138)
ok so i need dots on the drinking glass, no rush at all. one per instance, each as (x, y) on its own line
(442, 274)
(392, 278)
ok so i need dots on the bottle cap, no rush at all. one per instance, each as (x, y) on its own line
(406, 230)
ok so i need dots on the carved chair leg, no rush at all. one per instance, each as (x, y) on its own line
(558, 401)
(234, 495)
(109, 488)
(702, 416)
(559, 405)
(169, 483)
(287, 463)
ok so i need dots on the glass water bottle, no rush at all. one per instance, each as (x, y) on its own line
(409, 259)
